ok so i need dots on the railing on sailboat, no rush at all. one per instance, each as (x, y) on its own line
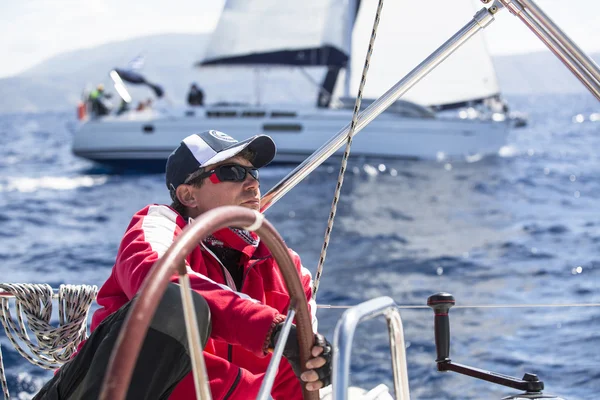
(344, 333)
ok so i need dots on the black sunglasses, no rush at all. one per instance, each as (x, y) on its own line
(229, 173)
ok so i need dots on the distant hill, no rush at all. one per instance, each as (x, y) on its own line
(57, 83)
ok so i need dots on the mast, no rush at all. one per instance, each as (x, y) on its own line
(352, 11)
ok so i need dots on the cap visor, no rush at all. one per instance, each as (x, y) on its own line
(262, 145)
(225, 154)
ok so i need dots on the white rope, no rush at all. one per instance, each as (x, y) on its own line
(53, 345)
(329, 306)
(340, 181)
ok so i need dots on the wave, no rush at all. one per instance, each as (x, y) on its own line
(29, 185)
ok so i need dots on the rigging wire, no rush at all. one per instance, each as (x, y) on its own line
(340, 181)
(408, 306)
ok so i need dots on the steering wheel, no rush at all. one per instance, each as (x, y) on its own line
(124, 355)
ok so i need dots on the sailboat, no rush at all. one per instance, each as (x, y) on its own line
(318, 48)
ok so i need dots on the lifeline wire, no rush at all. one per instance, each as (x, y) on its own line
(329, 306)
(340, 181)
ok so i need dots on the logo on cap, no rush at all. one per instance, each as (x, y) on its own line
(222, 136)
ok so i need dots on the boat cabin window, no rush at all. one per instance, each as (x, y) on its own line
(255, 114)
(283, 114)
(282, 128)
(221, 114)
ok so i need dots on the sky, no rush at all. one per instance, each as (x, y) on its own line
(34, 30)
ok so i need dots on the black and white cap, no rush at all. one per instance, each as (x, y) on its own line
(211, 147)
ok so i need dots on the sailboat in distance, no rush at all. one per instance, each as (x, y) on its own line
(291, 70)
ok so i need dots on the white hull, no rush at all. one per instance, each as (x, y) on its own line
(146, 136)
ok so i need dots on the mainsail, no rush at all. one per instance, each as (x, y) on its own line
(314, 33)
(272, 32)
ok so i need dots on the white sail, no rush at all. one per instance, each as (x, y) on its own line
(408, 32)
(313, 33)
(266, 28)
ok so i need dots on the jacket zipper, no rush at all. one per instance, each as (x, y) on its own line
(235, 383)
(248, 270)
(231, 284)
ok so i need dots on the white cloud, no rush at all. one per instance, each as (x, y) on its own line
(40, 29)
(509, 35)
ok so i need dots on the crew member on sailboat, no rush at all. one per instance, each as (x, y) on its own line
(236, 284)
(195, 96)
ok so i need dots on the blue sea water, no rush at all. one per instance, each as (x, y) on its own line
(522, 227)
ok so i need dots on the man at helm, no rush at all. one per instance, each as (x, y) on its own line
(239, 293)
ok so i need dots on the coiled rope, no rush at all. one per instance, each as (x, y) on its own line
(53, 346)
(340, 181)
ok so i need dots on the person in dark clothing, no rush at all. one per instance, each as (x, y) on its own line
(98, 100)
(195, 96)
(123, 107)
(238, 289)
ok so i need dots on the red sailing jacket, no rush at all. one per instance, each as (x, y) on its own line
(240, 320)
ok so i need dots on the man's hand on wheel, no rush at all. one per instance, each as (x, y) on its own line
(318, 374)
(319, 367)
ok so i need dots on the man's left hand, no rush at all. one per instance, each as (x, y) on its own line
(319, 366)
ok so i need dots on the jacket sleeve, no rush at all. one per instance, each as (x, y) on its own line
(229, 309)
(148, 238)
